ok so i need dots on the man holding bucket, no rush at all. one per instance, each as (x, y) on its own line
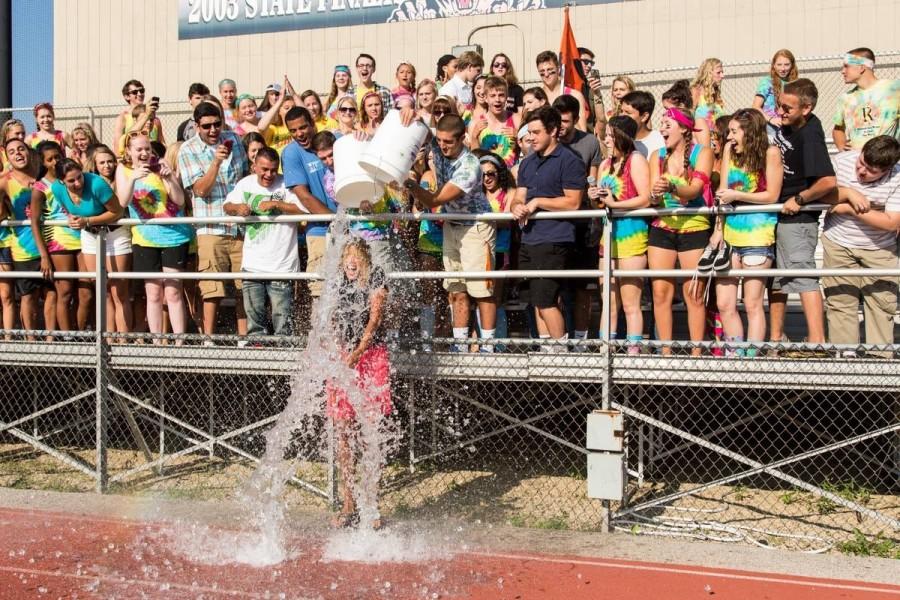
(468, 245)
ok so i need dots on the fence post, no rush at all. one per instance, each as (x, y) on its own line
(102, 366)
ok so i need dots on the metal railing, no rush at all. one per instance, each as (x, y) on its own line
(798, 450)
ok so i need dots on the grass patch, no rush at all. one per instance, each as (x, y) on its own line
(863, 545)
(790, 497)
(850, 491)
(555, 523)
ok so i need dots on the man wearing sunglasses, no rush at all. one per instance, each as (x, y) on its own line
(211, 163)
(548, 68)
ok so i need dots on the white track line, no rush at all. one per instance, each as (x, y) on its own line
(687, 571)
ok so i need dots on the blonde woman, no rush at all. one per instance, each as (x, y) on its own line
(347, 115)
(426, 93)
(83, 137)
(341, 85)
(782, 70)
(406, 81)
(621, 86)
(706, 92)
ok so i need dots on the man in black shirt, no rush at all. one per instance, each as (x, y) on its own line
(808, 177)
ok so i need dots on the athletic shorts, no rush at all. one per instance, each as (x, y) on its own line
(544, 292)
(679, 242)
(153, 260)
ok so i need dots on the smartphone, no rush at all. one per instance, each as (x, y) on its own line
(594, 74)
(228, 144)
(155, 99)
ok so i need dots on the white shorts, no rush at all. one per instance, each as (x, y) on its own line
(118, 242)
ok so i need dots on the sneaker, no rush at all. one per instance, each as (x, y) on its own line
(705, 264)
(722, 261)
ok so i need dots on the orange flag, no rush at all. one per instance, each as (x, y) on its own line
(572, 73)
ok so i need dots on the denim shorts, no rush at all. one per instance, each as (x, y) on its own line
(756, 254)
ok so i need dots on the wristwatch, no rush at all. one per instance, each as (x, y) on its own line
(798, 199)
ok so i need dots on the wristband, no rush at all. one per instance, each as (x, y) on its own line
(799, 200)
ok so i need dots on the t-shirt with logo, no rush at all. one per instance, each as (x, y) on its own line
(867, 113)
(268, 247)
(302, 167)
(883, 195)
(804, 157)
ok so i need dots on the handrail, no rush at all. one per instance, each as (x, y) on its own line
(430, 216)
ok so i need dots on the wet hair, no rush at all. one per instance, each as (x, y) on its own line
(756, 140)
(298, 112)
(206, 109)
(66, 166)
(323, 140)
(805, 90)
(881, 152)
(679, 94)
(623, 130)
(548, 116)
(546, 56)
(360, 247)
(268, 153)
(567, 104)
(441, 64)
(198, 89)
(452, 123)
(641, 101)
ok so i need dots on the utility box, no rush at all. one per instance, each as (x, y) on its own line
(457, 50)
(605, 431)
(606, 475)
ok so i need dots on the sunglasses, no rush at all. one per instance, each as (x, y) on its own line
(587, 61)
(489, 173)
(498, 65)
(441, 112)
(347, 110)
(214, 124)
(136, 91)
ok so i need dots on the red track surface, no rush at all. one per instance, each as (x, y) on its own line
(52, 555)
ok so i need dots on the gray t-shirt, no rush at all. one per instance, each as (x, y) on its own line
(586, 146)
(650, 144)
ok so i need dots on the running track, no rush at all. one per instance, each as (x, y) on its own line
(54, 555)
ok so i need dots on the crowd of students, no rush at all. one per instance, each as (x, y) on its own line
(494, 147)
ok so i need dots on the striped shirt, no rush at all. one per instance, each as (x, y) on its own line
(194, 160)
(884, 195)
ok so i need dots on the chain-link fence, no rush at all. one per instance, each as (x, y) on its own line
(797, 446)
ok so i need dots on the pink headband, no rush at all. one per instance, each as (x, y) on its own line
(678, 116)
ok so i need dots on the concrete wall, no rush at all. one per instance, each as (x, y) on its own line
(99, 44)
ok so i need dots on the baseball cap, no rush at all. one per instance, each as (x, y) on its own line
(273, 87)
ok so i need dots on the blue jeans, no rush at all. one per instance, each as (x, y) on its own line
(281, 296)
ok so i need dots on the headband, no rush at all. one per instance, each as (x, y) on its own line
(242, 97)
(523, 131)
(342, 69)
(859, 61)
(369, 95)
(678, 117)
(491, 159)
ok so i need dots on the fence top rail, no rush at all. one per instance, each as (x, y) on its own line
(429, 216)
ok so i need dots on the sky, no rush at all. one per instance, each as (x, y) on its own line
(32, 21)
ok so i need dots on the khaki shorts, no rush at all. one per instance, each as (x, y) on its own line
(218, 254)
(469, 247)
(315, 253)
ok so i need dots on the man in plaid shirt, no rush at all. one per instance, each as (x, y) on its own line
(211, 163)
(365, 68)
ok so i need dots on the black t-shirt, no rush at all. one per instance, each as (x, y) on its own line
(186, 130)
(805, 159)
(515, 98)
(351, 315)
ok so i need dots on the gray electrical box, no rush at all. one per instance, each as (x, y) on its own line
(457, 50)
(605, 431)
(606, 475)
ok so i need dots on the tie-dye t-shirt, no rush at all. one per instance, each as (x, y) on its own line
(681, 223)
(709, 112)
(500, 204)
(59, 238)
(23, 246)
(865, 114)
(629, 234)
(150, 200)
(746, 230)
(391, 201)
(766, 90)
(431, 233)
(500, 144)
(32, 139)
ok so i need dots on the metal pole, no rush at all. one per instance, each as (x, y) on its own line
(606, 312)
(102, 374)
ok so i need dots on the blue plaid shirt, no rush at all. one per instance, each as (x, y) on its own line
(194, 160)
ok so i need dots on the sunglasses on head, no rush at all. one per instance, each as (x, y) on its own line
(136, 91)
(207, 126)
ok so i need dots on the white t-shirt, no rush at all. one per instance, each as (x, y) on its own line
(268, 247)
(459, 89)
(884, 195)
(650, 144)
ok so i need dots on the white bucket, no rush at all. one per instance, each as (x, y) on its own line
(392, 151)
(352, 184)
